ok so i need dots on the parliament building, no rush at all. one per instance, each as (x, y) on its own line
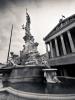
(60, 47)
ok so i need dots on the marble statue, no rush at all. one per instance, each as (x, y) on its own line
(29, 54)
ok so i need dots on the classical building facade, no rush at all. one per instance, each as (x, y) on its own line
(60, 46)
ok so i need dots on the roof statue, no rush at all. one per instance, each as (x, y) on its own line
(62, 18)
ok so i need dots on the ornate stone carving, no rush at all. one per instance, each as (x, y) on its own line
(29, 54)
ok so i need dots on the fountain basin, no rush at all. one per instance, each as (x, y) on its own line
(34, 91)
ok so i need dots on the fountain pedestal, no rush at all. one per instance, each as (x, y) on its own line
(28, 73)
(50, 75)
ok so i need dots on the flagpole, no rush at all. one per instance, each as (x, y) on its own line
(10, 43)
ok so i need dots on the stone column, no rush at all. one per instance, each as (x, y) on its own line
(56, 46)
(47, 50)
(63, 45)
(51, 50)
(70, 41)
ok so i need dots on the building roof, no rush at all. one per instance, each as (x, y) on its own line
(61, 25)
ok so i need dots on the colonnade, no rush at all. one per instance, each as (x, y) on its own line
(62, 45)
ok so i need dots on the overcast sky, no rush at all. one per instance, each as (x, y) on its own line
(45, 14)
